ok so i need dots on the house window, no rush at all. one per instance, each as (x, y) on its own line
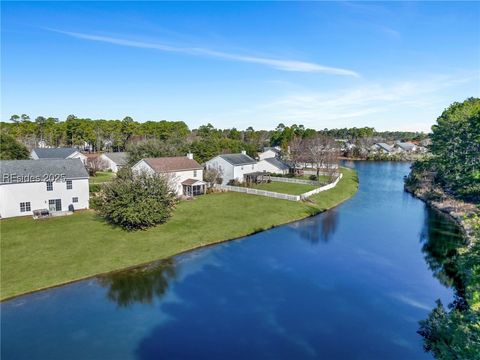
(49, 186)
(241, 168)
(194, 173)
(253, 166)
(69, 184)
(25, 206)
(75, 200)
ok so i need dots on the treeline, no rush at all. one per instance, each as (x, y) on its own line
(168, 138)
(454, 169)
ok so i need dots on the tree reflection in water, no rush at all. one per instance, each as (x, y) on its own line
(318, 228)
(141, 285)
(441, 238)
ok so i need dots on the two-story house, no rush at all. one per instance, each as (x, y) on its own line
(56, 185)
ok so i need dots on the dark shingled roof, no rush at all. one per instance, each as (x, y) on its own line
(237, 159)
(119, 158)
(171, 164)
(25, 171)
(277, 163)
(54, 153)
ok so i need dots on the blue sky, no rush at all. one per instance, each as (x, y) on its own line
(321, 64)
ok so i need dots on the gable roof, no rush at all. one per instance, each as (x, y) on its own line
(406, 146)
(54, 153)
(119, 158)
(385, 146)
(27, 171)
(171, 164)
(237, 159)
(274, 149)
(279, 164)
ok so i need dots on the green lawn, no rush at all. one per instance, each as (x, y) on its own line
(101, 177)
(40, 253)
(285, 188)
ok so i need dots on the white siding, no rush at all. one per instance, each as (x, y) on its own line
(78, 155)
(175, 178)
(240, 170)
(111, 165)
(267, 154)
(224, 166)
(36, 193)
(264, 165)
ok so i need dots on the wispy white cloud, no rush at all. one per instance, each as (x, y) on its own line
(286, 65)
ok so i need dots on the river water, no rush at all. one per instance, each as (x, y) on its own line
(351, 283)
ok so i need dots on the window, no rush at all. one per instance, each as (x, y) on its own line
(75, 200)
(194, 173)
(253, 166)
(25, 206)
(69, 184)
(49, 186)
(241, 168)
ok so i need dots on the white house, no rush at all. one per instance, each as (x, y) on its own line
(232, 166)
(57, 153)
(115, 160)
(53, 184)
(382, 147)
(273, 165)
(184, 173)
(269, 152)
(405, 146)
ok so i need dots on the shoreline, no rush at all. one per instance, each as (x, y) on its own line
(196, 247)
(456, 210)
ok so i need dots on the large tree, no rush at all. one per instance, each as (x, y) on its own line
(456, 148)
(10, 149)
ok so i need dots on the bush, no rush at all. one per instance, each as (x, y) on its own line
(136, 201)
(313, 177)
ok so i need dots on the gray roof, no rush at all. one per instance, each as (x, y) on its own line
(237, 159)
(385, 146)
(279, 164)
(274, 149)
(406, 146)
(25, 171)
(119, 158)
(54, 153)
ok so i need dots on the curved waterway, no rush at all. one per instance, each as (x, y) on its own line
(351, 283)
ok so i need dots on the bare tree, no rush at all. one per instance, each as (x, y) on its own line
(213, 176)
(297, 151)
(95, 164)
(322, 153)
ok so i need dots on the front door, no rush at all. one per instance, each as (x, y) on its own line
(55, 205)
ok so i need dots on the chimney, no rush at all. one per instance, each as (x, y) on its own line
(190, 156)
(244, 152)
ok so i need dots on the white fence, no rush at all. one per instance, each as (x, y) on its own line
(291, 180)
(277, 195)
(258, 192)
(322, 188)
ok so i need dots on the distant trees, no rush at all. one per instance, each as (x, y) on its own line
(135, 201)
(10, 149)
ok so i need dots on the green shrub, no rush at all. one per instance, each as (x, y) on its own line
(135, 201)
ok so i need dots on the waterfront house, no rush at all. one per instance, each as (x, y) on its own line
(405, 146)
(269, 152)
(114, 160)
(382, 147)
(273, 165)
(184, 174)
(57, 185)
(232, 166)
(57, 153)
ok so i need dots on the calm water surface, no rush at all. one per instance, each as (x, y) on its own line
(351, 283)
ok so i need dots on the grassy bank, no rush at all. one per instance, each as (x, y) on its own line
(40, 253)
